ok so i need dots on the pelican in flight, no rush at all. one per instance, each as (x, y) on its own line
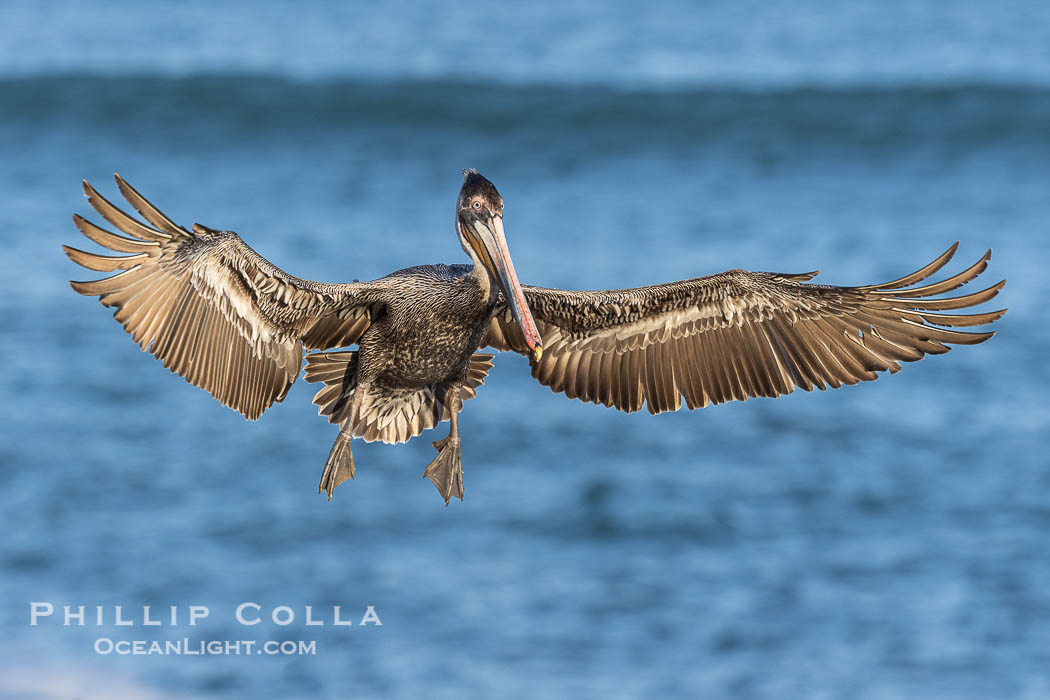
(230, 322)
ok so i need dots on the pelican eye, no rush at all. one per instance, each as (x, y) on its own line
(477, 204)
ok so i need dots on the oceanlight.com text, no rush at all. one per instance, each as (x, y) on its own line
(204, 647)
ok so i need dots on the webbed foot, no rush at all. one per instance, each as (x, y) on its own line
(339, 467)
(446, 471)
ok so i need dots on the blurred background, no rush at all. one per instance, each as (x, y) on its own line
(881, 541)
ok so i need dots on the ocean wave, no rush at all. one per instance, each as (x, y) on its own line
(879, 115)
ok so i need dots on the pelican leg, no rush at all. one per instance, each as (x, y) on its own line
(340, 464)
(446, 471)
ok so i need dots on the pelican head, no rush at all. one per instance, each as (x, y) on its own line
(479, 223)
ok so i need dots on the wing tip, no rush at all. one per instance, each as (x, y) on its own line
(123, 186)
(79, 257)
(80, 288)
(946, 256)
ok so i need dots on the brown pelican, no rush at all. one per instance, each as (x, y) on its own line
(228, 321)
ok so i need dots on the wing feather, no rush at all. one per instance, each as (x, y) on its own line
(211, 308)
(741, 334)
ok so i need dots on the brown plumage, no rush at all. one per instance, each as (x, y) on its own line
(215, 312)
(740, 334)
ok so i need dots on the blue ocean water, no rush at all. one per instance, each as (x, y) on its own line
(880, 541)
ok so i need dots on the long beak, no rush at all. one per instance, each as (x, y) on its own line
(486, 237)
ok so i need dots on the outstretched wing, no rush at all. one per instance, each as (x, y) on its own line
(212, 309)
(738, 334)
